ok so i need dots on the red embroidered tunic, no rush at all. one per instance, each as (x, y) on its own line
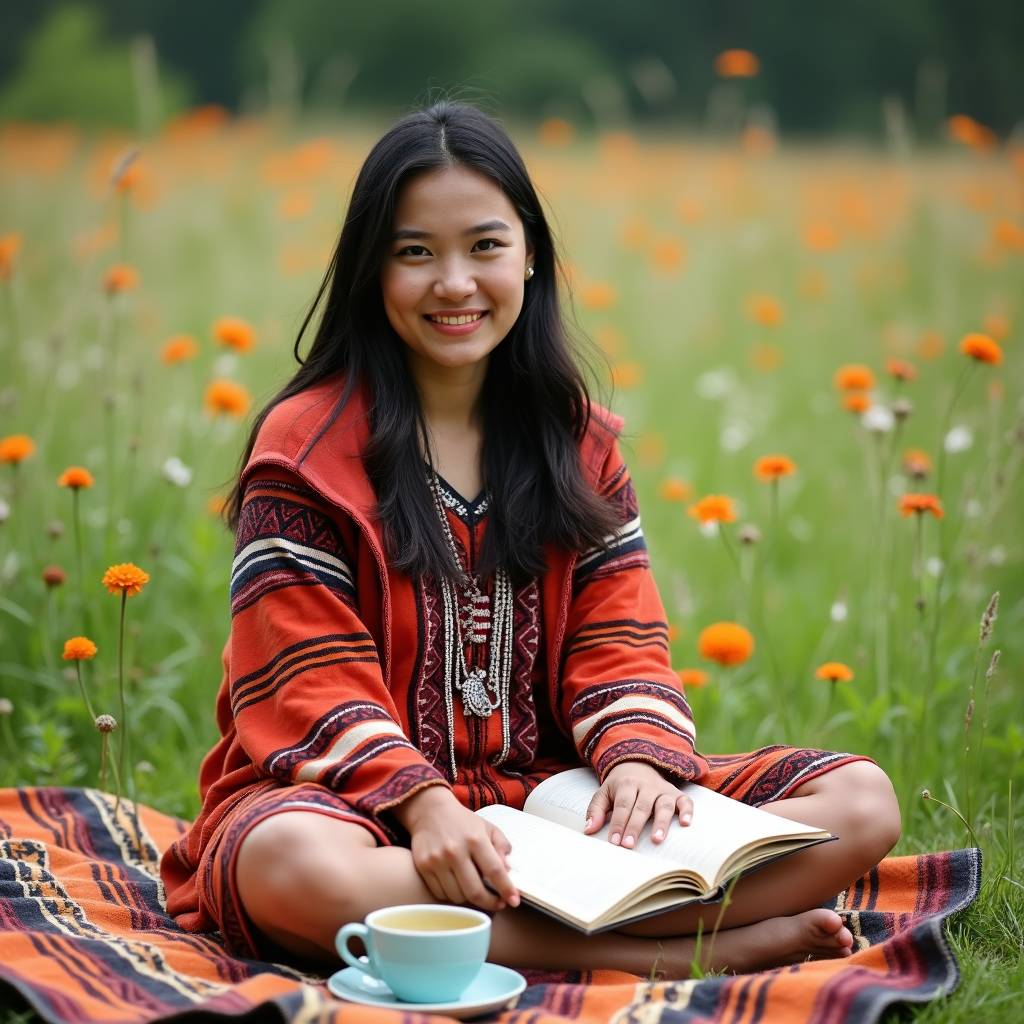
(334, 671)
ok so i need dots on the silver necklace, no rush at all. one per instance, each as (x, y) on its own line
(482, 692)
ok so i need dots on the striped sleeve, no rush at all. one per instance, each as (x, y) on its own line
(619, 696)
(308, 699)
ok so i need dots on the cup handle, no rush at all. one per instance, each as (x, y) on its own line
(347, 932)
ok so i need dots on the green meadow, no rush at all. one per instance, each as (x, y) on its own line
(715, 290)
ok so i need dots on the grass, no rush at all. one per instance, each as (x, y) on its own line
(674, 247)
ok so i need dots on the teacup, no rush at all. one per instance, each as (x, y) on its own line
(423, 952)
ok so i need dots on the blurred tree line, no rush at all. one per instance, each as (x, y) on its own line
(825, 67)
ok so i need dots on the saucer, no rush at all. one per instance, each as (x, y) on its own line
(492, 989)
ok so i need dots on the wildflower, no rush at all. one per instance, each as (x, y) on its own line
(820, 236)
(878, 420)
(715, 384)
(997, 326)
(55, 529)
(233, 332)
(672, 489)
(694, 678)
(834, 672)
(673, 632)
(598, 296)
(126, 579)
(79, 648)
(54, 576)
(919, 504)
(626, 375)
(838, 612)
(6, 707)
(856, 402)
(737, 64)
(959, 439)
(216, 505)
(9, 246)
(771, 467)
(75, 477)
(765, 310)
(120, 277)
(105, 723)
(749, 534)
(556, 132)
(917, 463)
(902, 408)
(989, 617)
(930, 345)
(714, 508)
(900, 369)
(735, 435)
(854, 377)
(15, 448)
(728, 643)
(227, 397)
(982, 348)
(669, 254)
(179, 348)
(176, 472)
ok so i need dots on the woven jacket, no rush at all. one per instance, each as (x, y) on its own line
(330, 673)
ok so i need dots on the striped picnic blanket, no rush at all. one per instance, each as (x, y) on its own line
(84, 936)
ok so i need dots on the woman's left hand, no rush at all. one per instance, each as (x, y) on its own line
(634, 791)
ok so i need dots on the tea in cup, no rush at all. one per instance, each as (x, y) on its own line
(423, 952)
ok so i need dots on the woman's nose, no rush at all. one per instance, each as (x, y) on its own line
(454, 280)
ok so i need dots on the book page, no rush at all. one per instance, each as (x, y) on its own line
(565, 869)
(720, 825)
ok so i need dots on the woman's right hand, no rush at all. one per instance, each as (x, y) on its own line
(455, 851)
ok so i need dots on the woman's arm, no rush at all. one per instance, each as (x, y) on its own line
(308, 699)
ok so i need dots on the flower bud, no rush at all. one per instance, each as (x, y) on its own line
(54, 576)
(105, 723)
(749, 534)
(6, 706)
(902, 408)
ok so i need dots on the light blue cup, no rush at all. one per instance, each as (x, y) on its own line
(423, 952)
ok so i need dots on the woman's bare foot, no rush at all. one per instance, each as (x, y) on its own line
(815, 934)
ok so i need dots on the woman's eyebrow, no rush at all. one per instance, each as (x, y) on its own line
(490, 225)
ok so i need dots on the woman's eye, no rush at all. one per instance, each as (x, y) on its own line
(493, 241)
(407, 250)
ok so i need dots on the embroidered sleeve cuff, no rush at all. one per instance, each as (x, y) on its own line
(678, 766)
(402, 785)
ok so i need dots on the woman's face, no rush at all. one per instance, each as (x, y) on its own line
(458, 249)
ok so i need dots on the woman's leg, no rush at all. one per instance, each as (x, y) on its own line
(855, 802)
(301, 875)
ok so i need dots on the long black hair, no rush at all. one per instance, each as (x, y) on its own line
(535, 402)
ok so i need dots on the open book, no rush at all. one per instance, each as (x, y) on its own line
(588, 883)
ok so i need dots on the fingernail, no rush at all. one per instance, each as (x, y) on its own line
(616, 837)
(628, 841)
(590, 821)
(687, 818)
(659, 833)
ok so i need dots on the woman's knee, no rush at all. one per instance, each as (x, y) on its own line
(300, 859)
(869, 808)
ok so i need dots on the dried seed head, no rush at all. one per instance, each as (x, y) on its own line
(106, 723)
(993, 665)
(749, 534)
(145, 767)
(925, 795)
(988, 617)
(902, 408)
(6, 706)
(55, 529)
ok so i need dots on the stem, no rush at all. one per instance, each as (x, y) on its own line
(85, 695)
(123, 751)
(103, 760)
(963, 820)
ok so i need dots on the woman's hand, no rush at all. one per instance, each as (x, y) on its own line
(634, 791)
(455, 851)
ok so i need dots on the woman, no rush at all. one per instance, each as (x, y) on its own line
(441, 596)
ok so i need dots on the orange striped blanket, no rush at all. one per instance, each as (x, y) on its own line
(84, 936)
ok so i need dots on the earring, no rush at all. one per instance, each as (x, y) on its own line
(529, 273)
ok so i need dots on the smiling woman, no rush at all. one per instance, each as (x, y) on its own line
(441, 597)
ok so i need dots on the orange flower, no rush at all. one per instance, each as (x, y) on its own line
(125, 578)
(982, 348)
(79, 648)
(900, 369)
(216, 505)
(75, 477)
(765, 310)
(964, 129)
(820, 236)
(556, 132)
(668, 255)
(714, 508)
(997, 326)
(771, 467)
(694, 678)
(673, 632)
(911, 504)
(834, 672)
(235, 333)
(598, 296)
(9, 246)
(856, 402)
(120, 277)
(626, 376)
(737, 64)
(917, 463)
(930, 345)
(54, 576)
(16, 448)
(765, 357)
(227, 396)
(179, 348)
(854, 377)
(672, 489)
(728, 643)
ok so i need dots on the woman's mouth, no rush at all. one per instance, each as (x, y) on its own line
(455, 324)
